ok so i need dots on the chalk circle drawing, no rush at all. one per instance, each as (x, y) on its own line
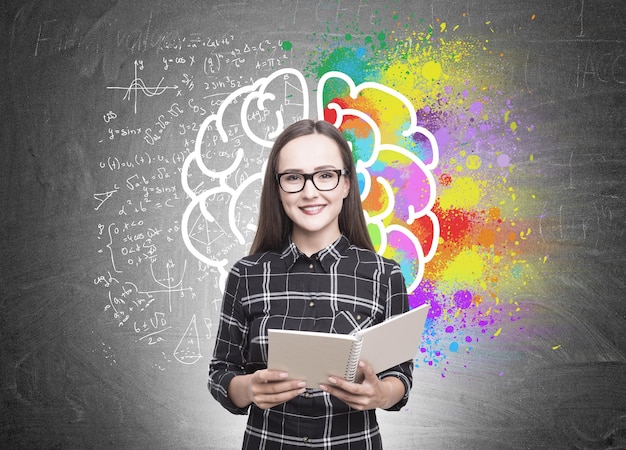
(394, 167)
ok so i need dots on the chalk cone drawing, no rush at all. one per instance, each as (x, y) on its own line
(188, 349)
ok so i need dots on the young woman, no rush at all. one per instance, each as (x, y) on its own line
(312, 267)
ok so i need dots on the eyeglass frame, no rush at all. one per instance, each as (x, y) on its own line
(309, 176)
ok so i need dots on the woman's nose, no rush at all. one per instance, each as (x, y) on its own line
(309, 189)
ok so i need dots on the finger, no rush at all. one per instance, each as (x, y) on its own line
(335, 391)
(280, 397)
(368, 371)
(266, 375)
(270, 400)
(344, 385)
(342, 389)
(285, 386)
(353, 400)
(278, 387)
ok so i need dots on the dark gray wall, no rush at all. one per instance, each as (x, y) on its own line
(102, 352)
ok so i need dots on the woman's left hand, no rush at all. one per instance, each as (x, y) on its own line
(371, 393)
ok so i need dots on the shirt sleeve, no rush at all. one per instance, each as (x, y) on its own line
(229, 355)
(397, 302)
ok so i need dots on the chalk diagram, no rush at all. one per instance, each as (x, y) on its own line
(188, 349)
(394, 168)
(138, 85)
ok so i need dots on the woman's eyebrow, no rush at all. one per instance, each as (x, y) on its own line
(327, 166)
(315, 169)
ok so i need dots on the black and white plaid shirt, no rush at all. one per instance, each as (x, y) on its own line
(340, 289)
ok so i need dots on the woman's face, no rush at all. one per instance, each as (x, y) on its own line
(314, 213)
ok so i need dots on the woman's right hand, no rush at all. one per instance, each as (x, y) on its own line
(265, 388)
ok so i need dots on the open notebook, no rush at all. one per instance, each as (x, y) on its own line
(314, 356)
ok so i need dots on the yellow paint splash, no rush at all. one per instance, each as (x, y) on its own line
(431, 71)
(463, 193)
(420, 68)
(473, 162)
(466, 268)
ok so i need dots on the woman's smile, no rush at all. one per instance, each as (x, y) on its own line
(312, 209)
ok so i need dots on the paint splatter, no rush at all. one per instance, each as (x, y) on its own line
(485, 254)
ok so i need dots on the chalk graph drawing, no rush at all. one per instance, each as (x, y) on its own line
(394, 166)
(138, 85)
(168, 284)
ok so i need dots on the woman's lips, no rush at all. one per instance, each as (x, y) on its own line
(311, 210)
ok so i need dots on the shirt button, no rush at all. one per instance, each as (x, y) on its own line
(358, 317)
(311, 304)
(311, 266)
(305, 439)
(307, 395)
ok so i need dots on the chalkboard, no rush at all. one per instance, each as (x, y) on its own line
(134, 136)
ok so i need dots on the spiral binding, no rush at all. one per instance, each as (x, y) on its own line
(353, 360)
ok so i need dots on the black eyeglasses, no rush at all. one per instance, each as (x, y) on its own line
(323, 180)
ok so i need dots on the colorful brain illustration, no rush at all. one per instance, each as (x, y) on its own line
(394, 159)
(397, 185)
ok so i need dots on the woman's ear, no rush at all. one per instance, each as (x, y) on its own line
(346, 188)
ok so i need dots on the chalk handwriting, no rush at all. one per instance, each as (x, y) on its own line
(150, 128)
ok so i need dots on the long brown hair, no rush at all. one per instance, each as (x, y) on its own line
(275, 226)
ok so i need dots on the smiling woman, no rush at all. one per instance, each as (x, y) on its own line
(314, 213)
(274, 224)
(312, 267)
